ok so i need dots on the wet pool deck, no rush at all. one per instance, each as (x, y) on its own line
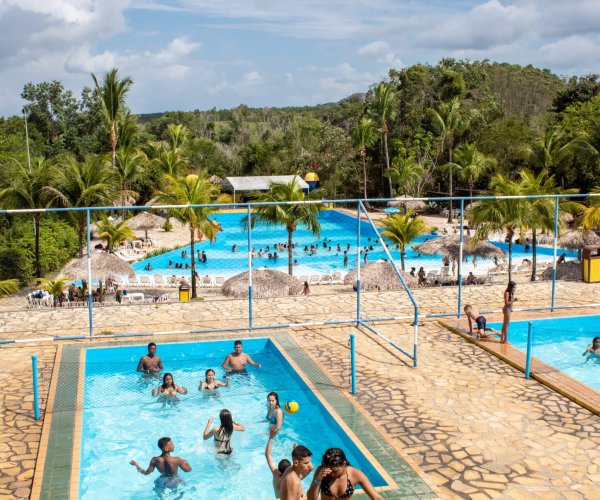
(470, 422)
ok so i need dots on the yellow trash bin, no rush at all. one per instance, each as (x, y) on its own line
(591, 264)
(184, 293)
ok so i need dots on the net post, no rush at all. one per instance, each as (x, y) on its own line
(353, 362)
(554, 253)
(249, 267)
(89, 270)
(529, 342)
(36, 401)
(357, 263)
(460, 256)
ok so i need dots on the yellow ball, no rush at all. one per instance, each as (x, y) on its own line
(291, 406)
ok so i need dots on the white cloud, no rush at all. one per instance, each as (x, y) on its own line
(376, 48)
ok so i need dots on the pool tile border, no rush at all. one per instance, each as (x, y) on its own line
(57, 469)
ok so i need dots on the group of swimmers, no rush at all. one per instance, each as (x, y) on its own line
(334, 478)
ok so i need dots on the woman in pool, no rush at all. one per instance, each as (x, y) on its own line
(274, 413)
(509, 300)
(335, 478)
(593, 350)
(210, 383)
(222, 434)
(168, 390)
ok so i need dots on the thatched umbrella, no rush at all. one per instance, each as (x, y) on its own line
(104, 264)
(216, 180)
(570, 271)
(380, 276)
(408, 203)
(576, 240)
(265, 283)
(450, 246)
(145, 221)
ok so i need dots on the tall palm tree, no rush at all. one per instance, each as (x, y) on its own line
(547, 151)
(112, 94)
(451, 122)
(9, 286)
(288, 214)
(55, 287)
(363, 136)
(406, 173)
(130, 163)
(29, 187)
(383, 107)
(402, 229)
(83, 184)
(114, 234)
(500, 215)
(472, 164)
(193, 190)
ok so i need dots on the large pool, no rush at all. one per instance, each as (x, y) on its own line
(560, 342)
(337, 228)
(121, 422)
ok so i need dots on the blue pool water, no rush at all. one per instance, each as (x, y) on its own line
(336, 228)
(121, 422)
(560, 342)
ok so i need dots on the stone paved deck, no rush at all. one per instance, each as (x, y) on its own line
(471, 422)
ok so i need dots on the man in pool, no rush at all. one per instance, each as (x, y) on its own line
(290, 484)
(167, 465)
(236, 361)
(150, 363)
(479, 320)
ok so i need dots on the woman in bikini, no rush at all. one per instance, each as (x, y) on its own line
(335, 478)
(210, 383)
(509, 300)
(274, 413)
(167, 391)
(222, 434)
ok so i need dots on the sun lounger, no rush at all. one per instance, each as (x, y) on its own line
(207, 281)
(146, 280)
(445, 276)
(315, 279)
(303, 278)
(337, 278)
(159, 280)
(431, 277)
(326, 279)
(219, 281)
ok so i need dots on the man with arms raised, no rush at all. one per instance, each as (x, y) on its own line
(236, 361)
(150, 363)
(290, 484)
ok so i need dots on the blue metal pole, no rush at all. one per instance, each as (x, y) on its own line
(357, 263)
(529, 342)
(554, 258)
(249, 268)
(89, 264)
(353, 362)
(460, 257)
(36, 402)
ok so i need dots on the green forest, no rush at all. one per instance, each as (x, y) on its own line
(456, 128)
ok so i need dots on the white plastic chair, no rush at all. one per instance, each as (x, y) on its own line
(159, 280)
(315, 279)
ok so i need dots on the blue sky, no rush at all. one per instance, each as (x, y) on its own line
(200, 54)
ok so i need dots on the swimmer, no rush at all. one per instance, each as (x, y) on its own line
(335, 478)
(479, 320)
(277, 470)
(593, 350)
(222, 434)
(274, 413)
(167, 465)
(168, 390)
(210, 383)
(150, 363)
(236, 361)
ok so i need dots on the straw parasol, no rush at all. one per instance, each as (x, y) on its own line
(576, 240)
(104, 264)
(570, 271)
(216, 180)
(265, 283)
(145, 221)
(450, 246)
(408, 202)
(379, 276)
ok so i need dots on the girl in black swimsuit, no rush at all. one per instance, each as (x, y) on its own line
(335, 478)
(222, 434)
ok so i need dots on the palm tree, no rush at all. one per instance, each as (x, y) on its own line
(363, 136)
(383, 105)
(450, 122)
(547, 151)
(29, 187)
(406, 173)
(288, 214)
(83, 184)
(591, 214)
(130, 163)
(114, 234)
(500, 215)
(9, 286)
(55, 287)
(193, 190)
(471, 164)
(402, 229)
(112, 94)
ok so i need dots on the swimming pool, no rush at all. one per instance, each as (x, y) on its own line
(560, 343)
(337, 228)
(121, 422)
